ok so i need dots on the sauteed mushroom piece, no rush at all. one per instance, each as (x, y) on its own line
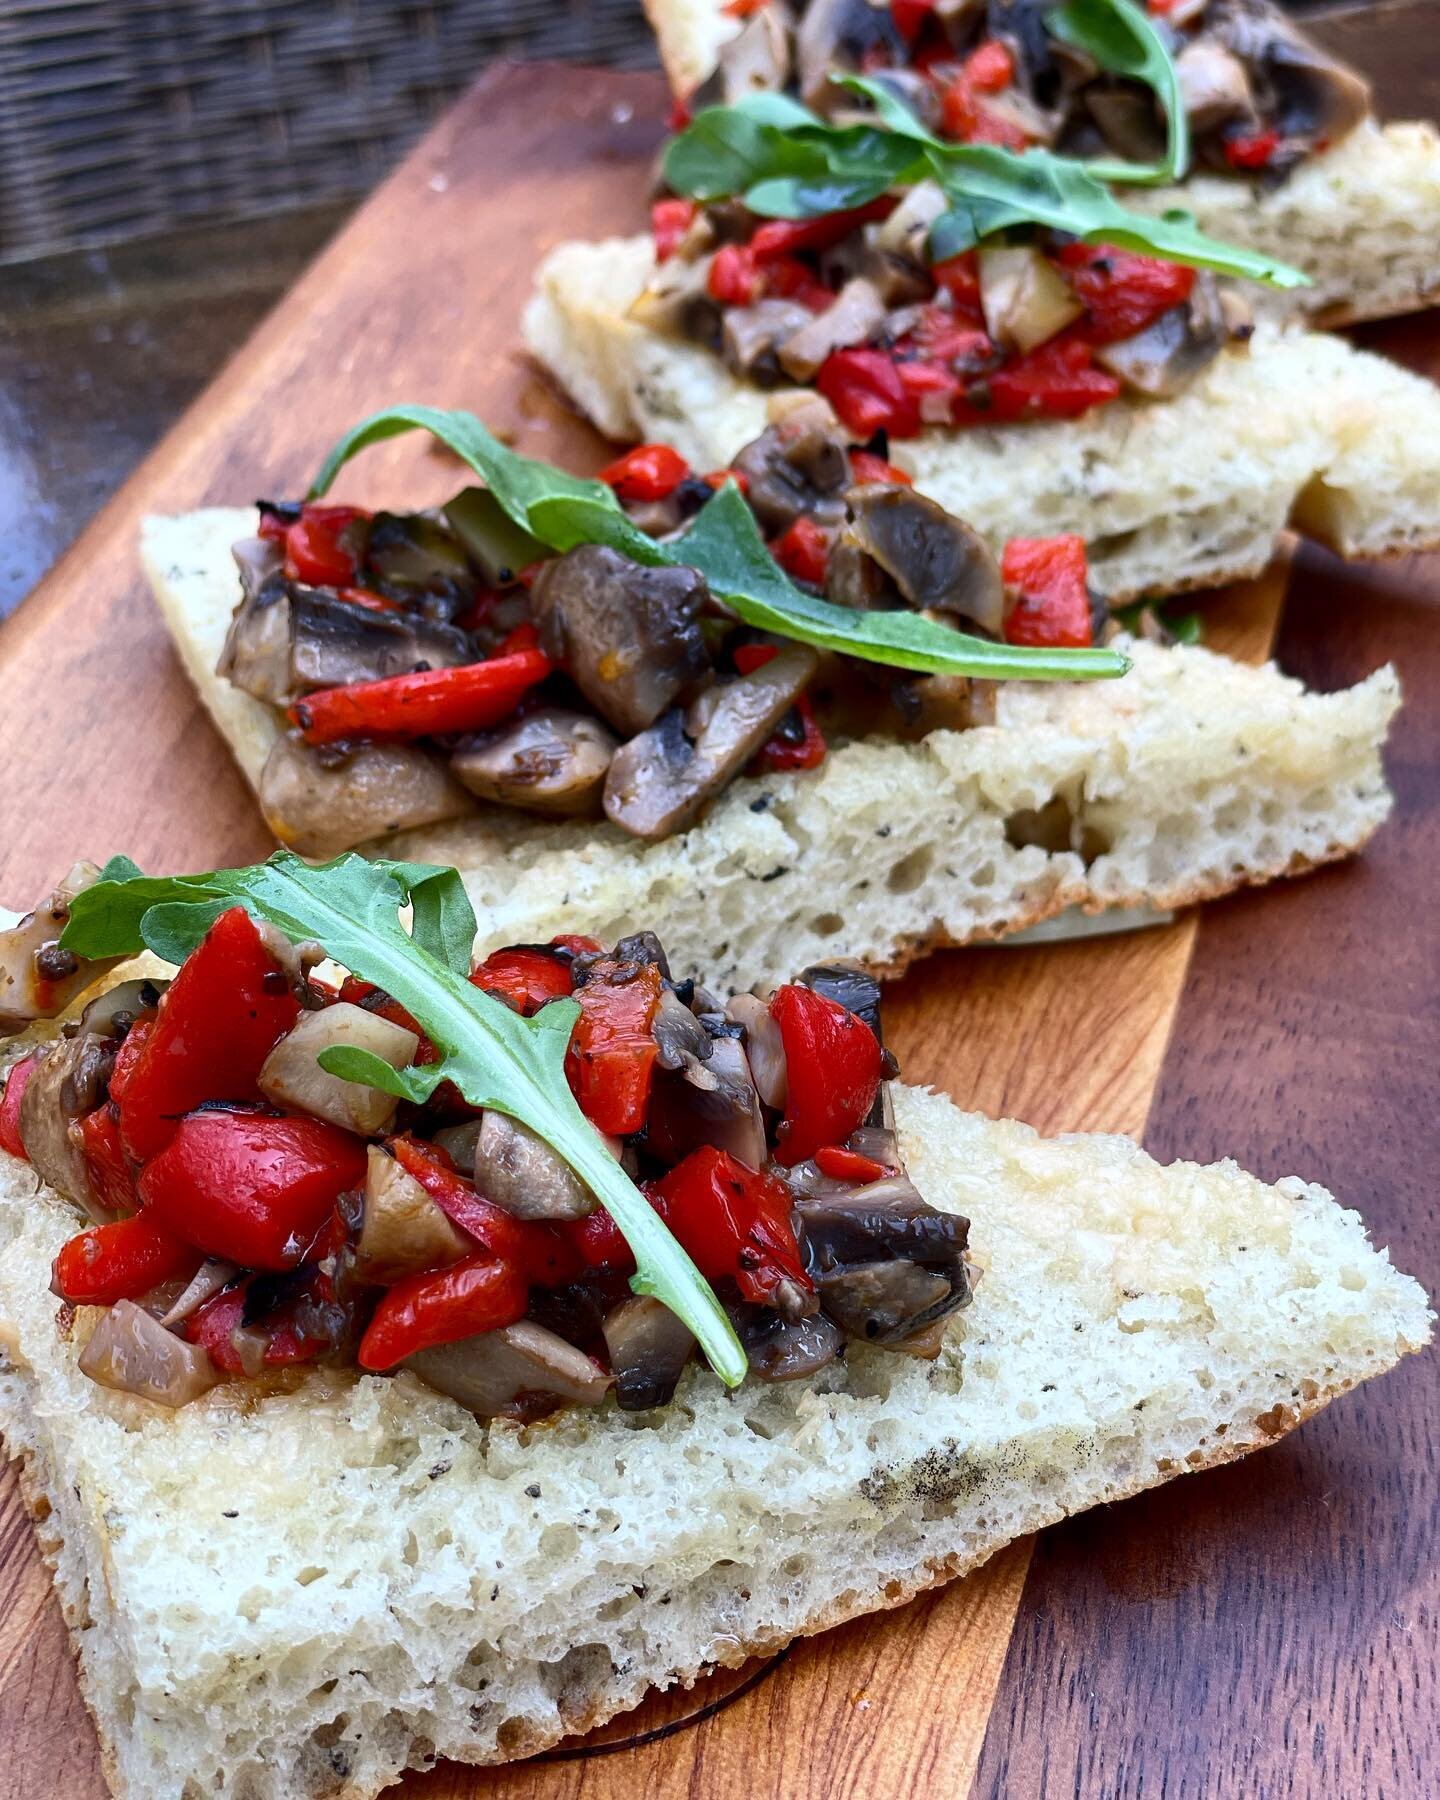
(69, 1080)
(784, 1349)
(752, 337)
(1025, 297)
(798, 466)
(496, 1371)
(677, 301)
(291, 1076)
(112, 1013)
(320, 801)
(519, 1171)
(1213, 84)
(648, 1349)
(856, 315)
(421, 559)
(133, 1352)
(936, 561)
(628, 636)
(551, 760)
(661, 779)
(841, 36)
(37, 978)
(1172, 350)
(713, 1101)
(1300, 90)
(755, 60)
(402, 1229)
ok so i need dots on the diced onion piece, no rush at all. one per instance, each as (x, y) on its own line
(293, 1078)
(1025, 297)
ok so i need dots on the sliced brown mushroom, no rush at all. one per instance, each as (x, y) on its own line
(798, 466)
(840, 37)
(713, 1101)
(855, 316)
(497, 1371)
(764, 1048)
(936, 561)
(784, 1349)
(1213, 84)
(37, 977)
(422, 560)
(321, 801)
(1163, 359)
(402, 1230)
(756, 60)
(132, 1351)
(752, 337)
(519, 1171)
(661, 779)
(207, 1281)
(292, 1077)
(112, 1013)
(1300, 90)
(549, 761)
(921, 704)
(648, 1349)
(1128, 120)
(676, 301)
(70, 1080)
(629, 636)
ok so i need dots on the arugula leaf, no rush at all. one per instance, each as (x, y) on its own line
(797, 172)
(1185, 627)
(1121, 38)
(497, 1059)
(724, 544)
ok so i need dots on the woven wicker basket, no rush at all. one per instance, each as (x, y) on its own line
(121, 117)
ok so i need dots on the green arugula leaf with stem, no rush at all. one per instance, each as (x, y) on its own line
(723, 542)
(1123, 39)
(496, 1058)
(797, 171)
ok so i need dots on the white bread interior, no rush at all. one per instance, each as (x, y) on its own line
(1359, 219)
(300, 1595)
(1189, 492)
(1188, 777)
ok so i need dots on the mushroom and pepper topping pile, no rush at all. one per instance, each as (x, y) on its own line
(852, 304)
(427, 664)
(1259, 95)
(253, 1212)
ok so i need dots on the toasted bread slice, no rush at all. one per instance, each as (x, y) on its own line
(1359, 219)
(1187, 778)
(298, 1594)
(1190, 492)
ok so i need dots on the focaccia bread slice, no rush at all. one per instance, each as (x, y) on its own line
(1358, 218)
(298, 1596)
(1190, 492)
(1187, 778)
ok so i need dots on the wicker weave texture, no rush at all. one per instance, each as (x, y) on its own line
(121, 117)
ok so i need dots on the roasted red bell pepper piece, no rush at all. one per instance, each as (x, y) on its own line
(121, 1262)
(648, 472)
(1253, 150)
(250, 1187)
(841, 1164)
(991, 68)
(734, 1221)
(1122, 292)
(868, 394)
(524, 977)
(959, 277)
(16, 1083)
(785, 749)
(787, 278)
(442, 1306)
(127, 1057)
(910, 17)
(611, 1059)
(218, 1021)
(600, 1243)
(865, 466)
(213, 1326)
(669, 221)
(430, 702)
(1048, 577)
(832, 1062)
(1057, 381)
(316, 548)
(735, 278)
(111, 1174)
(784, 237)
(803, 550)
(539, 1251)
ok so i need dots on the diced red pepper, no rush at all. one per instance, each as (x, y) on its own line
(949, 337)
(1122, 292)
(832, 1061)
(16, 1083)
(109, 1168)
(1048, 576)
(841, 1164)
(718, 477)
(523, 977)
(959, 276)
(781, 752)
(934, 389)
(787, 278)
(430, 702)
(649, 472)
(250, 1187)
(128, 1056)
(867, 393)
(371, 601)
(992, 127)
(539, 1251)
(958, 111)
(611, 1059)
(1254, 151)
(669, 221)
(1057, 381)
(600, 1243)
(742, 9)
(316, 551)
(121, 1261)
(218, 1021)
(990, 68)
(734, 1221)
(865, 466)
(803, 550)
(735, 277)
(442, 1306)
(213, 1326)
(910, 17)
(784, 237)
(679, 117)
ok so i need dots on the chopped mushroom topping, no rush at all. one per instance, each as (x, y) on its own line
(69, 1081)
(551, 760)
(753, 338)
(292, 1076)
(402, 1229)
(937, 563)
(320, 801)
(855, 316)
(133, 1352)
(37, 978)
(755, 60)
(797, 468)
(499, 1371)
(520, 1172)
(648, 1349)
(1166, 356)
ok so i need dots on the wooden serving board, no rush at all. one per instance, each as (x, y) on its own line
(1219, 1637)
